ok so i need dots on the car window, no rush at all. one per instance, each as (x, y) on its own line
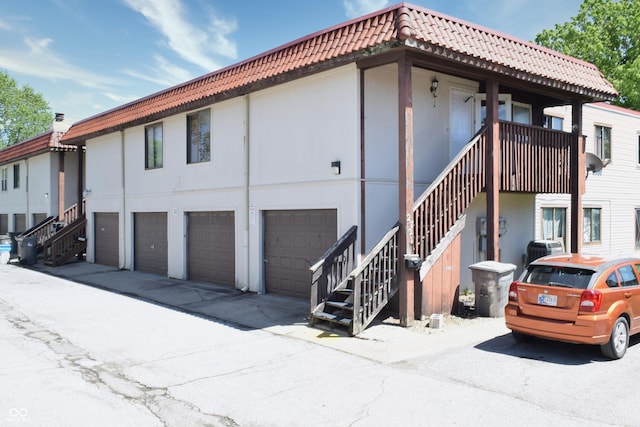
(612, 280)
(569, 277)
(627, 276)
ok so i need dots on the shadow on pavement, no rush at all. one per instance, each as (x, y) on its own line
(548, 351)
(243, 310)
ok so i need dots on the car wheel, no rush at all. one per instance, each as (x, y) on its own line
(619, 340)
(520, 337)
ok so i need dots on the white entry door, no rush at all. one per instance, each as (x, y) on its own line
(462, 111)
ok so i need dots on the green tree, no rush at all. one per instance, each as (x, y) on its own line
(23, 112)
(605, 33)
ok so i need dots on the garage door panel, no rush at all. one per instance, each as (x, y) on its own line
(211, 247)
(106, 235)
(150, 247)
(293, 241)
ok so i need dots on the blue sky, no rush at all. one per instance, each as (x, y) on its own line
(87, 56)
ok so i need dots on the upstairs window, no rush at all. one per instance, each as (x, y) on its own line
(153, 146)
(16, 176)
(4, 174)
(553, 122)
(199, 136)
(603, 142)
(591, 225)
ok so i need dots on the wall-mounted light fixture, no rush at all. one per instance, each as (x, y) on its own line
(336, 167)
(434, 87)
(46, 195)
(86, 192)
(434, 90)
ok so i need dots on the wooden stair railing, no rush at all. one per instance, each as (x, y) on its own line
(42, 231)
(356, 301)
(334, 267)
(446, 199)
(69, 242)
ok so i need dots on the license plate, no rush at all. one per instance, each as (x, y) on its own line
(545, 299)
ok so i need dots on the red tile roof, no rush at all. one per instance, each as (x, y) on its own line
(400, 25)
(49, 141)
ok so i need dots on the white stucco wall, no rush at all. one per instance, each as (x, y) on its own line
(295, 131)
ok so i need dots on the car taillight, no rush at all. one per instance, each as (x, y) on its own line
(513, 292)
(590, 301)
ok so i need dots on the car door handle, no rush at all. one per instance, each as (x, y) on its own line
(627, 294)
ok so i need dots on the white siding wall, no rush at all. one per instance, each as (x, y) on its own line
(614, 189)
(295, 131)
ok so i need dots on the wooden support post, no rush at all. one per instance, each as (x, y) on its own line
(492, 167)
(405, 184)
(578, 176)
(61, 205)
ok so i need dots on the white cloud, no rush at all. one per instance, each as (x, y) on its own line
(40, 61)
(164, 73)
(355, 8)
(192, 44)
(4, 25)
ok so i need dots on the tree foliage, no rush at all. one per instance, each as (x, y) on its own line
(23, 112)
(605, 33)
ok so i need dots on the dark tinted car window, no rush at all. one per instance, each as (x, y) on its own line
(628, 277)
(568, 277)
(612, 280)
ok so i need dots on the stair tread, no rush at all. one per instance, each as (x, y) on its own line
(340, 304)
(345, 321)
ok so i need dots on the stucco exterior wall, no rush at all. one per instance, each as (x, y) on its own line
(287, 135)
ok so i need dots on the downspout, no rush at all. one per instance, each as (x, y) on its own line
(124, 201)
(27, 213)
(247, 114)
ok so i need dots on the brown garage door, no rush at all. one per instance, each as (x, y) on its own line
(4, 223)
(19, 222)
(293, 241)
(38, 218)
(150, 242)
(106, 234)
(211, 247)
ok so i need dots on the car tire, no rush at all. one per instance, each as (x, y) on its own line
(617, 345)
(520, 337)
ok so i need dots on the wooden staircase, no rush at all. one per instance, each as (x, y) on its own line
(68, 243)
(60, 239)
(533, 160)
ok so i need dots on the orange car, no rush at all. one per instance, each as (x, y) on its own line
(577, 299)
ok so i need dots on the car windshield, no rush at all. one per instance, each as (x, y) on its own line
(567, 277)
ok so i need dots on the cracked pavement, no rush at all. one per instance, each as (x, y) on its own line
(73, 355)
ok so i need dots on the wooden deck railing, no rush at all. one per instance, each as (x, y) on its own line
(534, 159)
(334, 267)
(375, 281)
(74, 213)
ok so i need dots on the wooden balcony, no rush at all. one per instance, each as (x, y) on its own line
(533, 160)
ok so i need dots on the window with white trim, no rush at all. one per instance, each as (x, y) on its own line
(199, 136)
(4, 178)
(554, 224)
(16, 176)
(591, 224)
(603, 142)
(153, 146)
